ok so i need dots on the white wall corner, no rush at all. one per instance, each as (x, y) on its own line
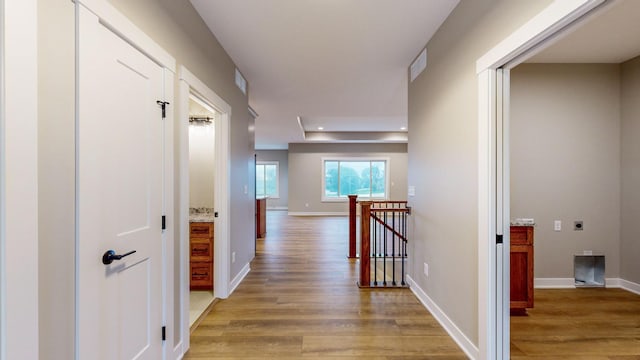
(238, 279)
(458, 336)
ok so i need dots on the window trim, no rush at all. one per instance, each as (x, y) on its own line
(277, 164)
(387, 177)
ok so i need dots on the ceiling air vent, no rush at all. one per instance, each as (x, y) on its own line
(241, 82)
(418, 66)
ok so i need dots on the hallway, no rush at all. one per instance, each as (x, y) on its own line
(300, 300)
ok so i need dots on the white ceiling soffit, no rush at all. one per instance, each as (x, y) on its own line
(611, 35)
(329, 59)
(356, 137)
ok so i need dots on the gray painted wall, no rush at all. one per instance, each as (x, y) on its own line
(176, 27)
(282, 157)
(630, 233)
(565, 161)
(305, 173)
(443, 153)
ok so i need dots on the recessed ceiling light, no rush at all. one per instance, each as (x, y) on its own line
(320, 128)
(403, 128)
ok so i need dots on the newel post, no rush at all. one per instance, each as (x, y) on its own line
(352, 226)
(365, 259)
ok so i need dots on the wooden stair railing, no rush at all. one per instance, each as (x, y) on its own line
(383, 243)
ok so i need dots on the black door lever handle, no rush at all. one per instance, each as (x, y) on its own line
(111, 255)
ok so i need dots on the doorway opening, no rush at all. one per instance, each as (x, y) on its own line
(572, 125)
(197, 100)
(201, 206)
(498, 161)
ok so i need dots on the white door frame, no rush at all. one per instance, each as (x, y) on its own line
(111, 18)
(19, 338)
(190, 84)
(493, 259)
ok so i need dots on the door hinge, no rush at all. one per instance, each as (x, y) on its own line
(164, 222)
(498, 239)
(163, 104)
(164, 333)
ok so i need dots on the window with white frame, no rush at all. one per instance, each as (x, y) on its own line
(267, 179)
(367, 178)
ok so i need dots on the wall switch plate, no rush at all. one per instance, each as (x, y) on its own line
(578, 225)
(412, 191)
(557, 225)
(426, 269)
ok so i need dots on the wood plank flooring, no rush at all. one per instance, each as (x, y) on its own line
(585, 324)
(300, 300)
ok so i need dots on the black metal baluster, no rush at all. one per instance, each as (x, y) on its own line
(393, 246)
(384, 250)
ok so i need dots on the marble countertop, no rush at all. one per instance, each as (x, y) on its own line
(201, 215)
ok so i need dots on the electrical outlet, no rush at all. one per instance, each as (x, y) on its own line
(233, 257)
(557, 225)
(426, 269)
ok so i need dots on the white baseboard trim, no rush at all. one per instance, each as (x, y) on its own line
(238, 279)
(304, 213)
(630, 286)
(553, 283)
(458, 336)
(277, 208)
(569, 283)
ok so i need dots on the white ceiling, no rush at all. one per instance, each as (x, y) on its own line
(339, 64)
(611, 35)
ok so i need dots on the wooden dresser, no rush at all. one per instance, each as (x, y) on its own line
(521, 269)
(201, 255)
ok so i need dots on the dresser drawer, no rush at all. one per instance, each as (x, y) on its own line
(201, 230)
(521, 235)
(201, 275)
(201, 251)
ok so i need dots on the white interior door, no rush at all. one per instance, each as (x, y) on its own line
(119, 197)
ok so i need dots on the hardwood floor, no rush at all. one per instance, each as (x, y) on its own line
(300, 300)
(585, 324)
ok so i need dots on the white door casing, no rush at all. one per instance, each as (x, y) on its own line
(190, 84)
(19, 337)
(119, 194)
(493, 170)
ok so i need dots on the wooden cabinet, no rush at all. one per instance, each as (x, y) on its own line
(201, 255)
(521, 269)
(261, 214)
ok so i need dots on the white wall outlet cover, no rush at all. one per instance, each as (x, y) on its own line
(557, 225)
(233, 257)
(426, 269)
